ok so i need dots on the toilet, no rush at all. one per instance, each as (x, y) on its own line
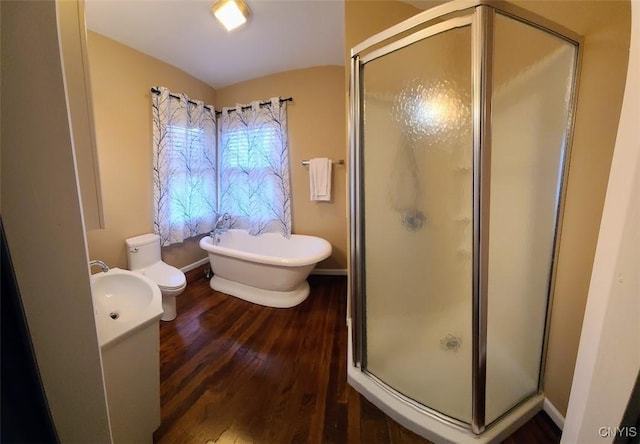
(143, 253)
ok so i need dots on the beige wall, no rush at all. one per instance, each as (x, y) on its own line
(606, 28)
(317, 127)
(609, 356)
(121, 78)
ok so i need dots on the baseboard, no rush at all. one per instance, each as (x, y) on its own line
(553, 413)
(194, 265)
(330, 271)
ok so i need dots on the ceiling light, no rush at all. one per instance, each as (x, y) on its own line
(231, 13)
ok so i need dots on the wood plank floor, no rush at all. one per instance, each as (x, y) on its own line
(235, 372)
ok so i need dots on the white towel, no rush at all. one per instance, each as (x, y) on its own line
(320, 178)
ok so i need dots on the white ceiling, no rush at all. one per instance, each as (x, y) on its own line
(281, 35)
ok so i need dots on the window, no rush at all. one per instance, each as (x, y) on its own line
(246, 162)
(190, 189)
(249, 148)
(254, 168)
(184, 167)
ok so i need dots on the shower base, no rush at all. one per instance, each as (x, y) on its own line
(428, 359)
(430, 426)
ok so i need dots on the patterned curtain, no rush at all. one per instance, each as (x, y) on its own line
(254, 167)
(184, 167)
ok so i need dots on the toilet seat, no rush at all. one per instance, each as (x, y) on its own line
(165, 276)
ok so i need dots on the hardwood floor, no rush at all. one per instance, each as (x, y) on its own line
(235, 372)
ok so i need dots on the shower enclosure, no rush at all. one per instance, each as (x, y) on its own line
(461, 123)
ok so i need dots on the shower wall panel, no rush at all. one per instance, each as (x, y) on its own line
(532, 85)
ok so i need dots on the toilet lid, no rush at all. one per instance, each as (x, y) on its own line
(165, 276)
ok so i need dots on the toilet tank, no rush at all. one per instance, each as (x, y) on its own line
(143, 250)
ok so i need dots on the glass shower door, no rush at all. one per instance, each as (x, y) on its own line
(417, 216)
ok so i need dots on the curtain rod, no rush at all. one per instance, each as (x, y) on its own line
(157, 91)
(288, 99)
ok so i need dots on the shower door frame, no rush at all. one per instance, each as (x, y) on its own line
(481, 14)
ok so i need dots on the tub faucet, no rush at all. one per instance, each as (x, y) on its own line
(217, 228)
(224, 218)
(100, 264)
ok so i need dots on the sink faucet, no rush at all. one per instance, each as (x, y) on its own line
(100, 264)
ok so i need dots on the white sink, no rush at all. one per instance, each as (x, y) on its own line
(123, 302)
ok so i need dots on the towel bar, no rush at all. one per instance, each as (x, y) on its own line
(335, 162)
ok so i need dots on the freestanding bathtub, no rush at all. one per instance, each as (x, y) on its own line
(268, 269)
